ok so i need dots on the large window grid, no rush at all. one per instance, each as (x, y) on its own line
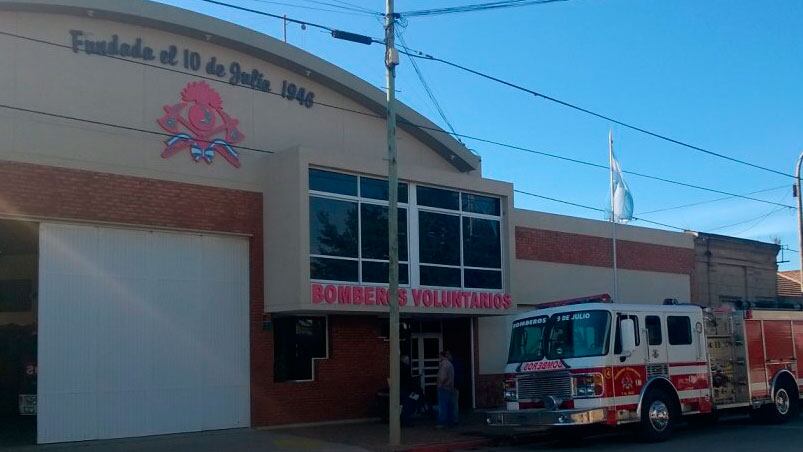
(366, 266)
(488, 275)
(462, 211)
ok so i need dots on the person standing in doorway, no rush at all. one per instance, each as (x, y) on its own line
(457, 365)
(445, 391)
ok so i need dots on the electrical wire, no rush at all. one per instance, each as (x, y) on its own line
(115, 126)
(339, 9)
(597, 209)
(411, 124)
(699, 203)
(155, 132)
(275, 16)
(761, 217)
(477, 7)
(346, 5)
(427, 88)
(424, 56)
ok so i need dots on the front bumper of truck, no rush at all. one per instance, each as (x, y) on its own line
(546, 418)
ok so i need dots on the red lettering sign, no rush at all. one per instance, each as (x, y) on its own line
(538, 366)
(429, 299)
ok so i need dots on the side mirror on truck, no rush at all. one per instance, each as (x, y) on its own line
(628, 330)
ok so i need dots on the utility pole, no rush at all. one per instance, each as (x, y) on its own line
(799, 217)
(394, 398)
(391, 61)
(285, 28)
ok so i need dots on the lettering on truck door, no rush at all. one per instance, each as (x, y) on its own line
(628, 371)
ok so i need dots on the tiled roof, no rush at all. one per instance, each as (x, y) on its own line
(789, 283)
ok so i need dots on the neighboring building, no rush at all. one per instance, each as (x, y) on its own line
(789, 286)
(731, 269)
(193, 232)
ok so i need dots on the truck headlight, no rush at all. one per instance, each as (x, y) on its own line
(511, 388)
(588, 385)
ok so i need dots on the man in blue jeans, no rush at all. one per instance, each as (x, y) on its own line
(445, 391)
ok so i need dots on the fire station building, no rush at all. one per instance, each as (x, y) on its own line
(193, 224)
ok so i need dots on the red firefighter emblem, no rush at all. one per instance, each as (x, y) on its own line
(198, 123)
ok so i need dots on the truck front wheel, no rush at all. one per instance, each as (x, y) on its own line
(784, 405)
(657, 416)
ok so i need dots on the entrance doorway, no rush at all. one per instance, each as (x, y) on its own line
(424, 339)
(19, 256)
(424, 359)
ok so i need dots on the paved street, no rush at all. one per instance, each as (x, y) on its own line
(730, 434)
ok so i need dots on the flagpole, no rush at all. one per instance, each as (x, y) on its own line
(613, 218)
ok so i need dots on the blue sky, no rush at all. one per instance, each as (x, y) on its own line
(723, 75)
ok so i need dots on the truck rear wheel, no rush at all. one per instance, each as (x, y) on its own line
(657, 416)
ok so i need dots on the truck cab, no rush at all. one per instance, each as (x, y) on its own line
(605, 363)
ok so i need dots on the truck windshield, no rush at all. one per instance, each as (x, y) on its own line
(527, 340)
(566, 335)
(578, 334)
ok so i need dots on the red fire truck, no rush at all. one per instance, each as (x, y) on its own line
(595, 362)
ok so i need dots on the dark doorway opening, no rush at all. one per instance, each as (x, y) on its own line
(19, 280)
(423, 340)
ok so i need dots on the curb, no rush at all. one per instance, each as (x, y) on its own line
(450, 446)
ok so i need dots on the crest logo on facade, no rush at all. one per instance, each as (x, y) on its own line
(198, 123)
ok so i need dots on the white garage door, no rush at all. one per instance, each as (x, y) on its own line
(141, 333)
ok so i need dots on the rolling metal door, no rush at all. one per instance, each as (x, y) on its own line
(141, 333)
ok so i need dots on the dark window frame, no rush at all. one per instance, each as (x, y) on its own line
(360, 201)
(467, 214)
(650, 332)
(282, 371)
(468, 208)
(672, 332)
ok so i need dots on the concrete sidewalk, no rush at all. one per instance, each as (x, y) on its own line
(422, 436)
(239, 440)
(341, 437)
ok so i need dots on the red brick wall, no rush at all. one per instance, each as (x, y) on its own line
(345, 384)
(51, 192)
(567, 248)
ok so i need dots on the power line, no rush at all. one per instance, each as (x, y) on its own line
(424, 56)
(411, 124)
(275, 16)
(340, 9)
(335, 32)
(348, 5)
(477, 7)
(427, 89)
(760, 217)
(597, 209)
(605, 167)
(115, 126)
(693, 204)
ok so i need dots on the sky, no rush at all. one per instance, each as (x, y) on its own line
(721, 75)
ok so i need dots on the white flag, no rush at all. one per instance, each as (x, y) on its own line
(622, 200)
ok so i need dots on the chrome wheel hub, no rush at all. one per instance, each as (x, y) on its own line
(782, 401)
(659, 415)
